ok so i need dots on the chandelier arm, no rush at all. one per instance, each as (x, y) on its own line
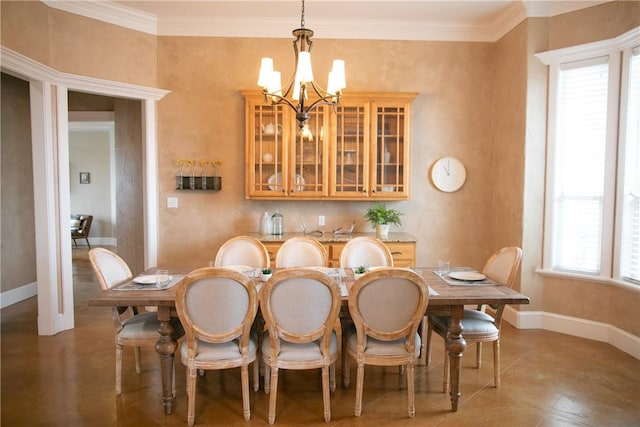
(281, 99)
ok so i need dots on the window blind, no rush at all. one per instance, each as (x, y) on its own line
(630, 248)
(579, 166)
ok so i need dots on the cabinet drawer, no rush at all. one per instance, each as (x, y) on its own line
(404, 254)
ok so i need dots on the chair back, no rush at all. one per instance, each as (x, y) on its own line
(84, 226)
(242, 250)
(503, 265)
(301, 252)
(216, 305)
(365, 251)
(388, 304)
(300, 305)
(109, 268)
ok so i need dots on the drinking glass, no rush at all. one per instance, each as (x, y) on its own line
(443, 267)
(162, 278)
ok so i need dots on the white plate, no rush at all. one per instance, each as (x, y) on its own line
(467, 275)
(149, 279)
(275, 182)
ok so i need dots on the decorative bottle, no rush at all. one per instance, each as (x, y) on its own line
(265, 221)
(278, 223)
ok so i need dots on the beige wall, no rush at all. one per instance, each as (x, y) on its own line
(481, 102)
(18, 252)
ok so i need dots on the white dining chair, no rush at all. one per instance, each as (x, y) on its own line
(242, 250)
(300, 307)
(132, 329)
(479, 326)
(386, 307)
(301, 251)
(217, 307)
(367, 252)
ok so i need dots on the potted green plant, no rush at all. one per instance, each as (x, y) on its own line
(381, 218)
(265, 274)
(359, 271)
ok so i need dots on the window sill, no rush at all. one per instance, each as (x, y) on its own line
(588, 278)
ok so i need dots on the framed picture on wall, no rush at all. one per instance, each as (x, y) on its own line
(85, 177)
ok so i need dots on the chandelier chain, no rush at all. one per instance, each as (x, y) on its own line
(302, 16)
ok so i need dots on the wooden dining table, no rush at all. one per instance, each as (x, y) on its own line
(444, 299)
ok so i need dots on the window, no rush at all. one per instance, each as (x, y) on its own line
(592, 218)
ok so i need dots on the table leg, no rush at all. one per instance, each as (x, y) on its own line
(166, 347)
(456, 345)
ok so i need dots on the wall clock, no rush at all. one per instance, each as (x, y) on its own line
(448, 174)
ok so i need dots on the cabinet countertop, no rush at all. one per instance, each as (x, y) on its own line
(329, 237)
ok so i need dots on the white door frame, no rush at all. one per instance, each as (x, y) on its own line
(50, 147)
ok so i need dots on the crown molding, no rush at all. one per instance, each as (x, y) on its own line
(118, 14)
(113, 13)
(20, 66)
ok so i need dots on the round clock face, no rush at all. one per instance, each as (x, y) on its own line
(448, 174)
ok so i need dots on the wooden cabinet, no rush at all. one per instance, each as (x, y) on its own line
(361, 151)
(401, 245)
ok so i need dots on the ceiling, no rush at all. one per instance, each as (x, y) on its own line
(454, 20)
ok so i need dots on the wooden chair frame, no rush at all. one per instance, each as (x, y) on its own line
(196, 333)
(83, 229)
(354, 246)
(226, 255)
(501, 267)
(123, 317)
(279, 330)
(296, 242)
(383, 332)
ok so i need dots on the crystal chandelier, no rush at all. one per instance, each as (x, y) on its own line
(296, 93)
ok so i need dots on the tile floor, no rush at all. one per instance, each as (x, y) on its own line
(548, 379)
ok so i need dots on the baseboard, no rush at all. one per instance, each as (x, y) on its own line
(16, 295)
(575, 326)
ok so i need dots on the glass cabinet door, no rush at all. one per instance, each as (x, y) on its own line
(267, 156)
(310, 152)
(389, 155)
(350, 173)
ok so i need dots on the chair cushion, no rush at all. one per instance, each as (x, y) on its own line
(380, 348)
(307, 351)
(223, 351)
(474, 321)
(141, 326)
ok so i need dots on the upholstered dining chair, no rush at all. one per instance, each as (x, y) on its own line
(242, 250)
(301, 251)
(477, 325)
(300, 307)
(217, 307)
(132, 329)
(365, 251)
(386, 306)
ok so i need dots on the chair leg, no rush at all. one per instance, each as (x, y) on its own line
(274, 395)
(332, 376)
(88, 244)
(267, 378)
(359, 387)
(192, 376)
(256, 374)
(138, 360)
(445, 380)
(478, 355)
(326, 397)
(244, 374)
(496, 363)
(426, 342)
(118, 369)
(346, 374)
(411, 390)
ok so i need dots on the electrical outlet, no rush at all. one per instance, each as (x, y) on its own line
(321, 220)
(172, 202)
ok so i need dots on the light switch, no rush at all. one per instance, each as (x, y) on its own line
(172, 202)
(320, 220)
